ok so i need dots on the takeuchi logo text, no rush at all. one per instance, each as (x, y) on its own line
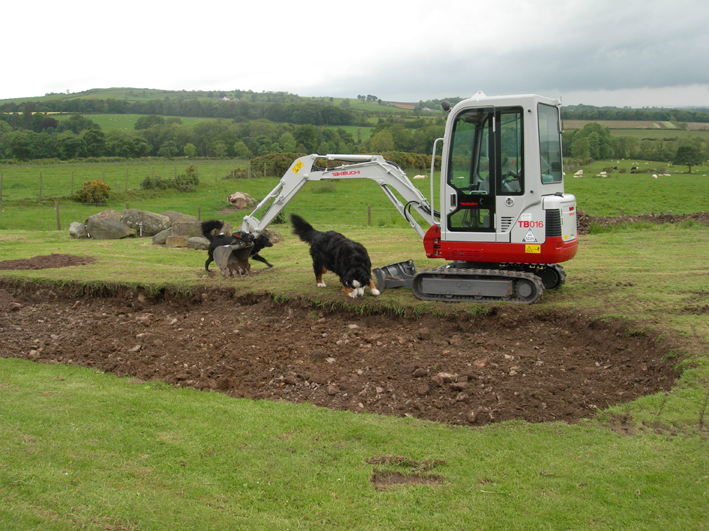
(345, 173)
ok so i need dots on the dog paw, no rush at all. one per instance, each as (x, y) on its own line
(375, 292)
(322, 285)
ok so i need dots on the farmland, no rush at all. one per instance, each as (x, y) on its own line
(267, 403)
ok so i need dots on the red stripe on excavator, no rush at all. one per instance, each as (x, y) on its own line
(553, 251)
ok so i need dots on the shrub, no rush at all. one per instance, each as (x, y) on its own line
(185, 182)
(155, 183)
(273, 164)
(188, 181)
(93, 192)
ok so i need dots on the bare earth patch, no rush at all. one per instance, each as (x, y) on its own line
(512, 364)
(46, 262)
(515, 363)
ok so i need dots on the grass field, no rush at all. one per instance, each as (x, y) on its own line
(23, 208)
(149, 456)
(85, 450)
(125, 122)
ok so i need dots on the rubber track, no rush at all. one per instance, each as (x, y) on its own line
(492, 274)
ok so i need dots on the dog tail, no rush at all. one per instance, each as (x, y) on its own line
(209, 226)
(302, 228)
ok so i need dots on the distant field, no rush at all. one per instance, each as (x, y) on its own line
(125, 122)
(635, 124)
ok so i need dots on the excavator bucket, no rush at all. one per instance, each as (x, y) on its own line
(398, 275)
(233, 260)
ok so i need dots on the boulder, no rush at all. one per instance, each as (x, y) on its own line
(107, 225)
(273, 235)
(199, 243)
(178, 217)
(187, 228)
(161, 237)
(145, 223)
(176, 241)
(77, 230)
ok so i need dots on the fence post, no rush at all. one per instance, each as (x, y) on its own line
(127, 206)
(72, 183)
(175, 172)
(249, 169)
(103, 174)
(56, 207)
(126, 179)
(215, 172)
(40, 186)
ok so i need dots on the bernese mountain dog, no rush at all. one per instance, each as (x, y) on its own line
(331, 251)
(216, 240)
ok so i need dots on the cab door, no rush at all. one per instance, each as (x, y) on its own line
(470, 182)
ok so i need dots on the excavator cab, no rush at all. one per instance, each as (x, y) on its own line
(502, 195)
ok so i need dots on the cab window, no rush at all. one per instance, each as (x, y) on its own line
(549, 144)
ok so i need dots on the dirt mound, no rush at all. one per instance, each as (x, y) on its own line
(585, 221)
(46, 262)
(514, 363)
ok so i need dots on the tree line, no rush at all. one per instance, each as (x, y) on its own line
(31, 136)
(295, 113)
(589, 113)
(35, 135)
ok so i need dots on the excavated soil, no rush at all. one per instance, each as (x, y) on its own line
(514, 363)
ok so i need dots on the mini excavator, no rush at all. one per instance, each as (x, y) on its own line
(503, 221)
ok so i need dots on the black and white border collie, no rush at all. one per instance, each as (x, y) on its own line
(331, 251)
(216, 240)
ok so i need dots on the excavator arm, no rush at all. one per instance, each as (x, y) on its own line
(388, 175)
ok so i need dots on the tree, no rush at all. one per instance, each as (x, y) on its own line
(689, 155)
(308, 136)
(76, 124)
(144, 122)
(168, 150)
(95, 142)
(287, 142)
(382, 141)
(70, 146)
(241, 151)
(190, 150)
(21, 145)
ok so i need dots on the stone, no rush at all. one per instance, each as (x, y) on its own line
(107, 225)
(77, 230)
(161, 237)
(144, 222)
(273, 235)
(178, 217)
(187, 228)
(198, 243)
(176, 241)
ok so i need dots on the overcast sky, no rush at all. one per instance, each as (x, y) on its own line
(637, 53)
